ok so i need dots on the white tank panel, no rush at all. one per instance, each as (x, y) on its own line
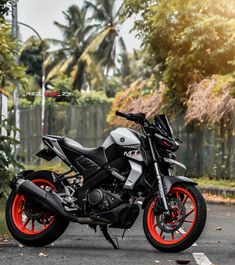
(124, 136)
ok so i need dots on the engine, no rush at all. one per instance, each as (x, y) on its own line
(103, 200)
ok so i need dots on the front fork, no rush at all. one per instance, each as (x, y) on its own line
(159, 178)
(161, 189)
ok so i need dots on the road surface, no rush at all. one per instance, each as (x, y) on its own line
(80, 245)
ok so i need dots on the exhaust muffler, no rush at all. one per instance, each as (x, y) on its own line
(48, 200)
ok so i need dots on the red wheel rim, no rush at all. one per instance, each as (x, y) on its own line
(25, 224)
(167, 238)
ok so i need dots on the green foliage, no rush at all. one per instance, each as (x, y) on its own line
(63, 84)
(4, 7)
(91, 98)
(31, 56)
(73, 56)
(88, 49)
(10, 71)
(106, 15)
(55, 165)
(8, 161)
(219, 183)
(186, 40)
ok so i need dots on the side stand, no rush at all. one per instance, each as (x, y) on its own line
(107, 236)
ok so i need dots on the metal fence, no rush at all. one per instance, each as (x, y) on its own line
(204, 151)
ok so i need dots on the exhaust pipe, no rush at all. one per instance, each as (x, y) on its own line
(48, 200)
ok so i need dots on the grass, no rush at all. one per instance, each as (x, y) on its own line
(55, 166)
(220, 183)
(3, 226)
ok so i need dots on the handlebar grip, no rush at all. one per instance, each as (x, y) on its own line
(121, 114)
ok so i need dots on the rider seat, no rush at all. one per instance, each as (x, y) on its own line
(96, 154)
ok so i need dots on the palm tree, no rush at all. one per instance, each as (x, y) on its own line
(31, 56)
(76, 36)
(73, 58)
(106, 14)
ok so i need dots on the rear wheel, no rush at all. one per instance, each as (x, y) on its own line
(183, 227)
(30, 224)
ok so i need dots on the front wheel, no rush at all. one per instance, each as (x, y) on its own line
(185, 224)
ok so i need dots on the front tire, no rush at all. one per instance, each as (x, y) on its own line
(188, 218)
(29, 224)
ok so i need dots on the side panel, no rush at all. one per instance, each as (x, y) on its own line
(131, 152)
(86, 166)
(135, 174)
(53, 144)
(108, 142)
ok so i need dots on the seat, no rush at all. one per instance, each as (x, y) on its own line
(96, 154)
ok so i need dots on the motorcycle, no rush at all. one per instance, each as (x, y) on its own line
(104, 187)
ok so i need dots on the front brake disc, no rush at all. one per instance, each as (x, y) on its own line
(178, 213)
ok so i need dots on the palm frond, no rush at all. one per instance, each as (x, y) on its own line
(95, 43)
(98, 14)
(61, 26)
(29, 43)
(122, 45)
(54, 71)
(67, 64)
(55, 42)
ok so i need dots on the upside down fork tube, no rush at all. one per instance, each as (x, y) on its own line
(159, 178)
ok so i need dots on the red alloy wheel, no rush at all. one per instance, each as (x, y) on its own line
(169, 238)
(27, 224)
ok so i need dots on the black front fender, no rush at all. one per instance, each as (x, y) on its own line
(169, 181)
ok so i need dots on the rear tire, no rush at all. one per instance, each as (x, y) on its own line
(157, 238)
(16, 225)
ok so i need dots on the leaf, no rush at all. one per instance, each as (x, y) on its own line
(183, 261)
(42, 254)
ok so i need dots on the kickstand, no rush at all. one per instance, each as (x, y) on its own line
(123, 234)
(107, 236)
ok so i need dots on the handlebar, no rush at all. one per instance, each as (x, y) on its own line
(138, 118)
(121, 114)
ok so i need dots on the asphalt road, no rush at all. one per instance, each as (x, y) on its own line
(80, 245)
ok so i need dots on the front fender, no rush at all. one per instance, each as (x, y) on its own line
(169, 181)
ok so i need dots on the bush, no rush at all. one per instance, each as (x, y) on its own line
(8, 161)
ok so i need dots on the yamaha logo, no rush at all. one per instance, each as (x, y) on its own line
(122, 139)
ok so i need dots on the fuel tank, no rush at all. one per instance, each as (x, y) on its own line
(121, 136)
(124, 142)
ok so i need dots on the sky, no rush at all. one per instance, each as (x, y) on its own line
(40, 14)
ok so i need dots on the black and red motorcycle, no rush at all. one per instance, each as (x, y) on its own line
(103, 187)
